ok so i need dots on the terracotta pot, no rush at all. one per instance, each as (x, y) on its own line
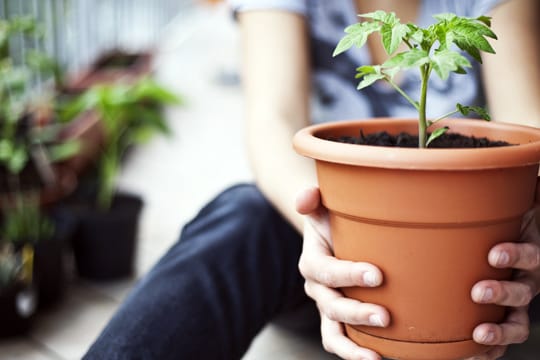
(111, 67)
(427, 218)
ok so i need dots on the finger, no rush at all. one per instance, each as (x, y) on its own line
(523, 256)
(308, 200)
(318, 263)
(494, 353)
(317, 228)
(515, 330)
(334, 341)
(529, 223)
(334, 273)
(506, 293)
(338, 308)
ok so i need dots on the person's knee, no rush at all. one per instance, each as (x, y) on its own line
(242, 203)
(248, 199)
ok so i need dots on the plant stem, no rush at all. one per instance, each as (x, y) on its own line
(445, 116)
(402, 93)
(422, 122)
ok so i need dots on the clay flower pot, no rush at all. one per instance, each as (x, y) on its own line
(427, 218)
(113, 66)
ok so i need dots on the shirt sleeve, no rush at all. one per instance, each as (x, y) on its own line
(483, 7)
(296, 6)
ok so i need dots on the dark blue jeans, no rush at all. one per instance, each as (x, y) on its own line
(233, 270)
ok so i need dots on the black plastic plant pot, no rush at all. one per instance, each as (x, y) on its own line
(50, 261)
(17, 308)
(105, 241)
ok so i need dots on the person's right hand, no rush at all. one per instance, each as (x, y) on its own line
(325, 274)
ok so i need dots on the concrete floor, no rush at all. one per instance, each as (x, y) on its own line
(204, 155)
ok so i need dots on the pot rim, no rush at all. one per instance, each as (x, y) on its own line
(526, 150)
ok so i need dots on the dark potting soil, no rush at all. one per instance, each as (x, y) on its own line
(406, 140)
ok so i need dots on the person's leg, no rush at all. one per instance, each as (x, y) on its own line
(233, 269)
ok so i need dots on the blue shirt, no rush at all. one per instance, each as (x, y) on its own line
(335, 96)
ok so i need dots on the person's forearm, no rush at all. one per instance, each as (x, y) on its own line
(279, 172)
(276, 85)
(512, 75)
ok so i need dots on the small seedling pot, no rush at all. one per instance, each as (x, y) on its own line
(427, 218)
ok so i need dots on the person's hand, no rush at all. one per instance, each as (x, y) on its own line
(324, 274)
(516, 294)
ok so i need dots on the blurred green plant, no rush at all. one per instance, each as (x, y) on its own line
(26, 129)
(23, 222)
(131, 114)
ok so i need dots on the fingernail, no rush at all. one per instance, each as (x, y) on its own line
(488, 337)
(483, 294)
(376, 320)
(370, 278)
(502, 258)
(487, 295)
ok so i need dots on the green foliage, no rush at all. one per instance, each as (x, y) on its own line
(23, 225)
(23, 221)
(16, 138)
(131, 114)
(431, 49)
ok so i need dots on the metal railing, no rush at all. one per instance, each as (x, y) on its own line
(76, 31)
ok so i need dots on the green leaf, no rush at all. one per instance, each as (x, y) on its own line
(367, 69)
(6, 149)
(448, 17)
(344, 44)
(393, 35)
(41, 62)
(369, 80)
(466, 110)
(18, 159)
(470, 36)
(415, 33)
(486, 20)
(73, 107)
(407, 59)
(63, 151)
(391, 72)
(357, 35)
(149, 90)
(435, 134)
(141, 135)
(446, 61)
(380, 15)
(24, 24)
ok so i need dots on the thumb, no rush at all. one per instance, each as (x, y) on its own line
(308, 201)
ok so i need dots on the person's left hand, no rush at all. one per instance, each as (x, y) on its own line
(516, 294)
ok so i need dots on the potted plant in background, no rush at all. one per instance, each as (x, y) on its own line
(30, 148)
(110, 68)
(29, 141)
(17, 295)
(105, 242)
(426, 217)
(26, 229)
